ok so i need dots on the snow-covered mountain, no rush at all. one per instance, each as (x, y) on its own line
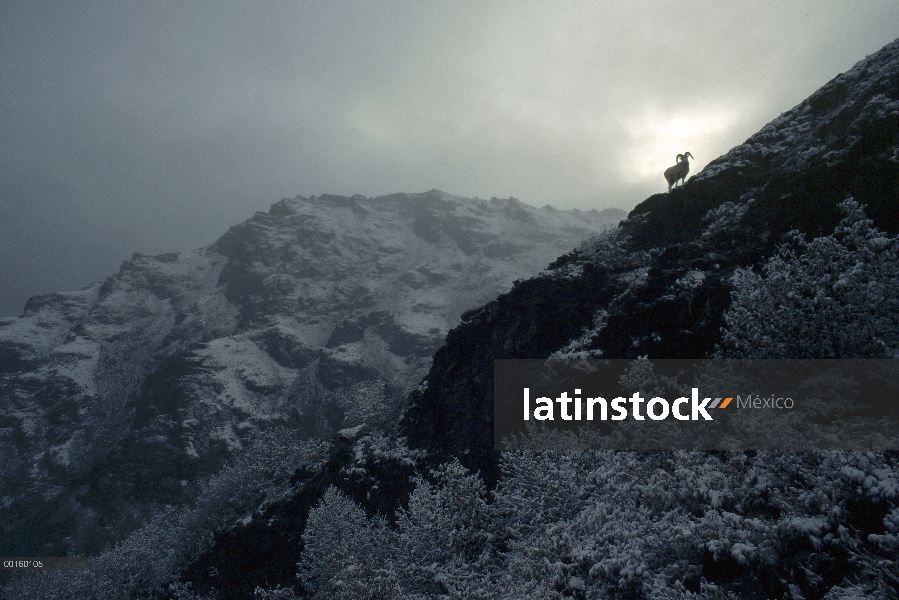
(318, 314)
(761, 254)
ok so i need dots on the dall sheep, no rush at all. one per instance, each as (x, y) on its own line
(678, 171)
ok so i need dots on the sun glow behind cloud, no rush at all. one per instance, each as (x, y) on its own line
(581, 104)
(655, 136)
(163, 125)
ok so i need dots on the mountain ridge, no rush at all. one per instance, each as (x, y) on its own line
(319, 313)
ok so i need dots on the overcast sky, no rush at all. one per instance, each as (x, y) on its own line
(152, 127)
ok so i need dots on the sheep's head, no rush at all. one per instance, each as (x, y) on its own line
(685, 155)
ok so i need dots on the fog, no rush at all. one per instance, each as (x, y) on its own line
(153, 127)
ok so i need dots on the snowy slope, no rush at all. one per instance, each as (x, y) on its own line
(319, 314)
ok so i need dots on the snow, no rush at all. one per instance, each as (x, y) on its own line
(805, 134)
(351, 432)
(246, 351)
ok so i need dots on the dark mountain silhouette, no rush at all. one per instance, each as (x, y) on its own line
(664, 294)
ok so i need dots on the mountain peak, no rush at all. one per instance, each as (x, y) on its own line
(319, 314)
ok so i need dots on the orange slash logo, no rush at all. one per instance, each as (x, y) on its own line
(719, 404)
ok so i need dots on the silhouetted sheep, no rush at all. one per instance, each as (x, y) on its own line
(678, 171)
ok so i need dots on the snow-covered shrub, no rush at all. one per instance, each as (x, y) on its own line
(277, 593)
(671, 524)
(150, 559)
(603, 243)
(610, 248)
(344, 553)
(185, 591)
(446, 520)
(440, 540)
(443, 535)
(834, 297)
(622, 525)
(723, 220)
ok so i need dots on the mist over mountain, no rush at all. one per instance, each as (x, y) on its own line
(320, 316)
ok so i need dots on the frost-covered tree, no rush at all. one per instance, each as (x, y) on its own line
(697, 524)
(150, 560)
(444, 531)
(624, 525)
(441, 543)
(834, 297)
(345, 555)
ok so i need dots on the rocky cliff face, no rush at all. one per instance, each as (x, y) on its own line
(660, 285)
(319, 314)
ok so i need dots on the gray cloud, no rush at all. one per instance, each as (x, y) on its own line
(129, 126)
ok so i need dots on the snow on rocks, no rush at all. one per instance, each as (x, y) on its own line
(318, 314)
